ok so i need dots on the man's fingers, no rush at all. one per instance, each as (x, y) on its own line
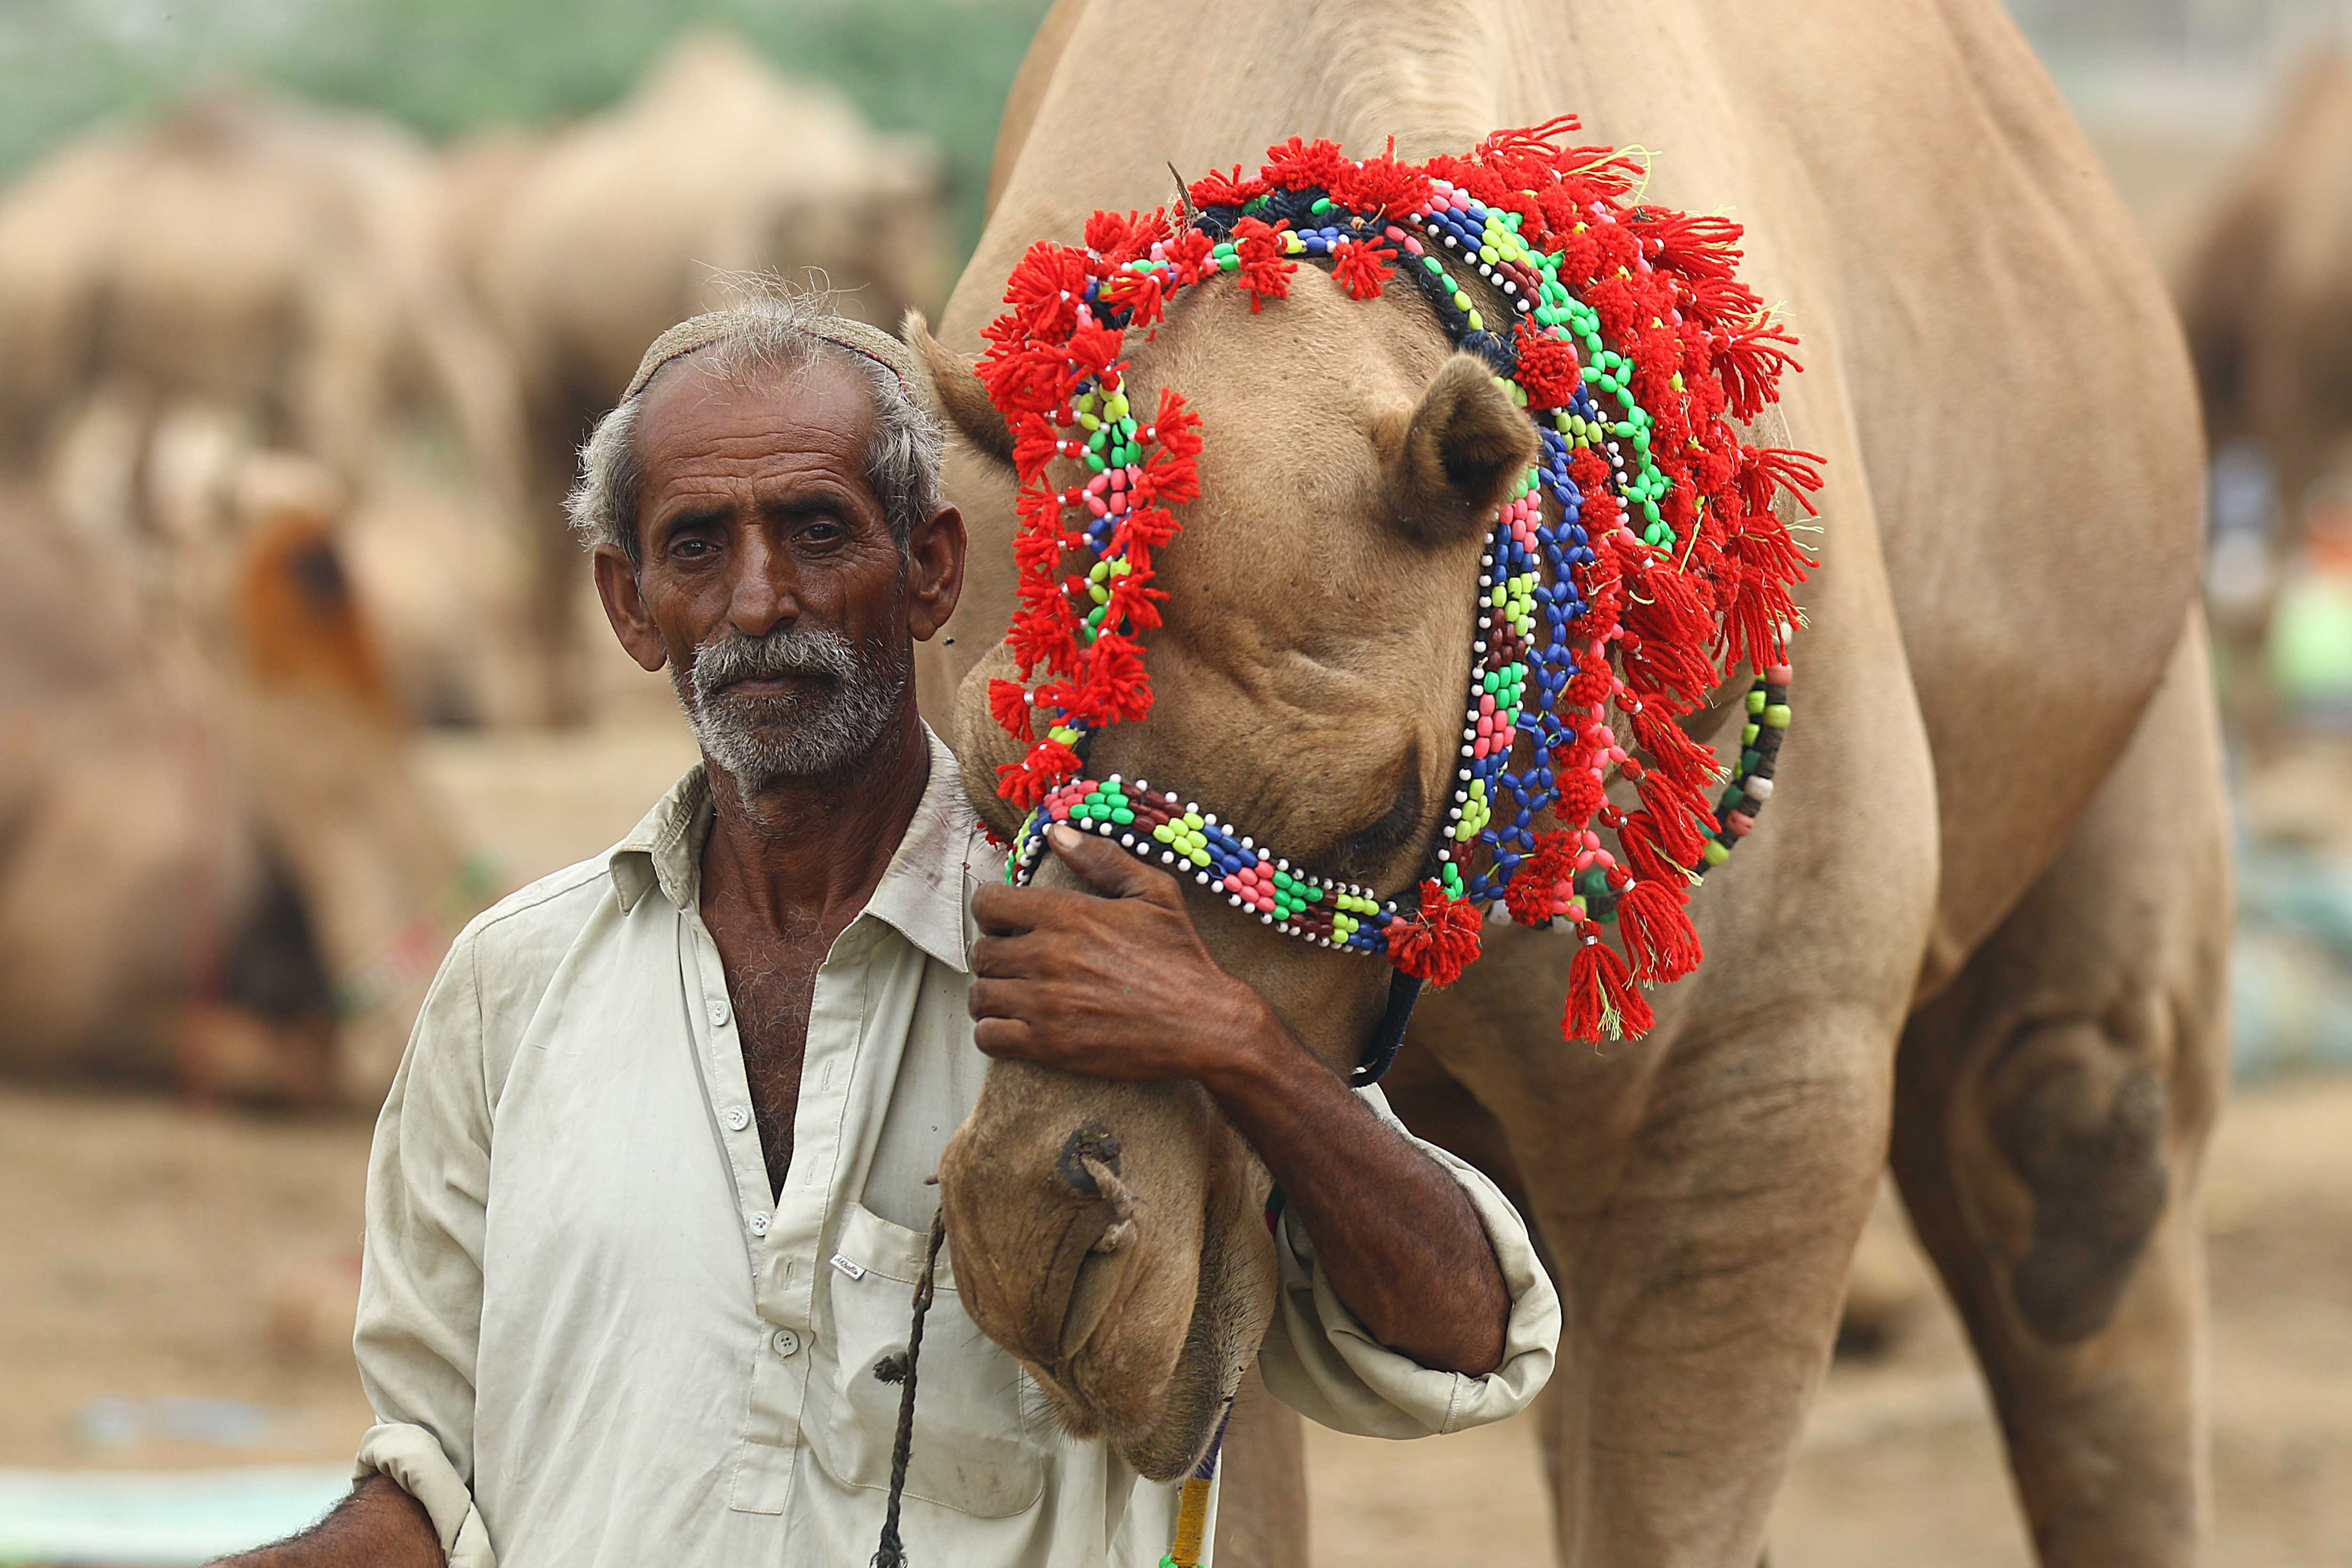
(1016, 957)
(1003, 911)
(1106, 865)
(1003, 1037)
(996, 998)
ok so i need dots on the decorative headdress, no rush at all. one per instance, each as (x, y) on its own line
(1632, 345)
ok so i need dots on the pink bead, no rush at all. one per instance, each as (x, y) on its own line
(1778, 674)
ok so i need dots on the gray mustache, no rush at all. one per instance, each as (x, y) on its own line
(785, 650)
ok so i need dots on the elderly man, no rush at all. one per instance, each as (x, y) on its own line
(641, 1197)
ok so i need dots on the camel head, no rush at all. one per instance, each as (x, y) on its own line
(1308, 685)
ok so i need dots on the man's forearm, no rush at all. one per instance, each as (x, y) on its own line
(379, 1525)
(1394, 1232)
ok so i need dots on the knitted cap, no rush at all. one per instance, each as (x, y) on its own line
(702, 331)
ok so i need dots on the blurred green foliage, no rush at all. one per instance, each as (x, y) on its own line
(448, 67)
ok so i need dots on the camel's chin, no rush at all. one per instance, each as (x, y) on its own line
(1161, 1437)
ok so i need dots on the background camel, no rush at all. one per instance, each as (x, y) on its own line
(222, 869)
(1953, 936)
(584, 248)
(267, 273)
(2266, 295)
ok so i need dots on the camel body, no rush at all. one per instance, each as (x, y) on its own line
(1982, 926)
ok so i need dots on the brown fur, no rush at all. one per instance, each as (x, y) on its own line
(1980, 651)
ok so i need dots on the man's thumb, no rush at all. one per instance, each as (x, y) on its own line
(1102, 864)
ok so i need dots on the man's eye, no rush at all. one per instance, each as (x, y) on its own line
(691, 549)
(824, 530)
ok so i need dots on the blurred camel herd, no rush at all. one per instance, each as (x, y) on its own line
(287, 404)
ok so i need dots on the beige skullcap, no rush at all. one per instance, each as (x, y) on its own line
(702, 331)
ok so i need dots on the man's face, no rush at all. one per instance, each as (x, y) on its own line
(770, 583)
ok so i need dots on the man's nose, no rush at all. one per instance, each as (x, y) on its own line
(766, 587)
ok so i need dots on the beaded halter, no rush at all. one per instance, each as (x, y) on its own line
(1636, 565)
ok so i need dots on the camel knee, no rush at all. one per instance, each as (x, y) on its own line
(2073, 1166)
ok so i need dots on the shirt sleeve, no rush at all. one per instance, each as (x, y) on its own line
(1322, 1361)
(421, 1277)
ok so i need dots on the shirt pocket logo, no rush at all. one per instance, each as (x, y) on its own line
(979, 1421)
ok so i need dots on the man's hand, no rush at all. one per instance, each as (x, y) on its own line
(1121, 987)
(377, 1525)
(1115, 988)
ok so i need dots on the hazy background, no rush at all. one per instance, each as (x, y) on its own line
(222, 599)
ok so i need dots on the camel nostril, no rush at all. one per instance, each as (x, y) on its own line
(1090, 1145)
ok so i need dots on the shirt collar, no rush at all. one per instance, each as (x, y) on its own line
(923, 893)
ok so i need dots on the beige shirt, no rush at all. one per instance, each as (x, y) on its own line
(592, 1335)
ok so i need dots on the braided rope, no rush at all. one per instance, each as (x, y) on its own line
(891, 1553)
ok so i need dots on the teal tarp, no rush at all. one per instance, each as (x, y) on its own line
(164, 1519)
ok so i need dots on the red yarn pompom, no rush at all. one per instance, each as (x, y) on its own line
(1548, 371)
(1438, 944)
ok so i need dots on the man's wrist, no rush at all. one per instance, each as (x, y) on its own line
(1253, 1056)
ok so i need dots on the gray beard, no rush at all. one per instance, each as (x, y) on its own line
(762, 740)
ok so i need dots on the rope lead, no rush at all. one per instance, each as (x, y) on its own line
(891, 1553)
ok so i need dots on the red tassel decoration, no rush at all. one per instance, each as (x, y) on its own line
(1602, 1001)
(1548, 371)
(1440, 941)
(1653, 921)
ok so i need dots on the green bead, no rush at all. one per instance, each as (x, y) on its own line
(1717, 854)
(1756, 702)
(1748, 734)
(1777, 716)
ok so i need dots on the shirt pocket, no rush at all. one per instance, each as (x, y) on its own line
(979, 1446)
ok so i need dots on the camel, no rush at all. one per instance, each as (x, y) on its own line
(1980, 937)
(2266, 300)
(582, 250)
(271, 269)
(225, 871)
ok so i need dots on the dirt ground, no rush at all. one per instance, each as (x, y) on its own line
(149, 1246)
(151, 1250)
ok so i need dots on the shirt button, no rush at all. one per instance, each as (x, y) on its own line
(759, 1224)
(737, 1118)
(718, 1011)
(787, 1342)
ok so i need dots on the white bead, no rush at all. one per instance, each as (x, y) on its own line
(1760, 788)
(1168, 857)
(1209, 818)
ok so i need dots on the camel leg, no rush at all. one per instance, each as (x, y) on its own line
(2051, 1108)
(1703, 1271)
(1261, 1495)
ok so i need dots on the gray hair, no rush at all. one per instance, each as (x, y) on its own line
(769, 334)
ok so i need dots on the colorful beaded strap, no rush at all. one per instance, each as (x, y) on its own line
(1636, 565)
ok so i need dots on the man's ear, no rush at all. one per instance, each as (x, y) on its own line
(1464, 447)
(955, 392)
(617, 585)
(935, 551)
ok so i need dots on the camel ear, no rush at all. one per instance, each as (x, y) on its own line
(1466, 445)
(955, 392)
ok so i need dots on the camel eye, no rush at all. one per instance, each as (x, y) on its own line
(1369, 851)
